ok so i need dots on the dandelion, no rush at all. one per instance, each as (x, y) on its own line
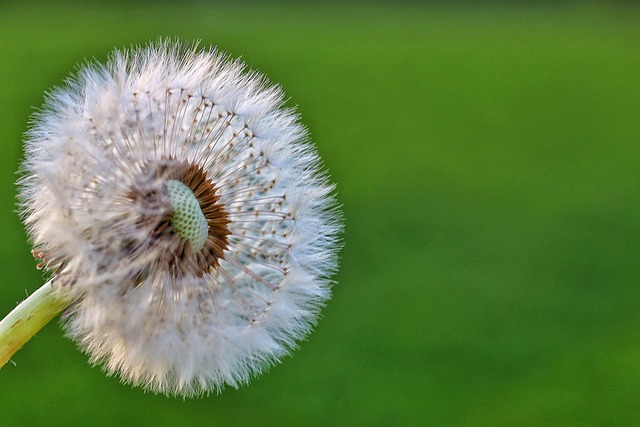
(183, 215)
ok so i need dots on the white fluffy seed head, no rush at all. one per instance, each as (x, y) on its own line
(174, 196)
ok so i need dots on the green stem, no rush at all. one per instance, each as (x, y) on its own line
(28, 318)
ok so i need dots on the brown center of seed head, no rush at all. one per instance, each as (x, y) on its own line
(176, 254)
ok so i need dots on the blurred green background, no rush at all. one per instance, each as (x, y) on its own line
(488, 161)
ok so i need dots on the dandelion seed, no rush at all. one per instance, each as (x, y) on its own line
(181, 206)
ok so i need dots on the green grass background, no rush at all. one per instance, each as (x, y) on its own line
(488, 162)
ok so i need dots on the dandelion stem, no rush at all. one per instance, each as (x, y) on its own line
(28, 318)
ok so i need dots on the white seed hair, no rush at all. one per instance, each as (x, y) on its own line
(194, 332)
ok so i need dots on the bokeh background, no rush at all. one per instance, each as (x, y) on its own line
(488, 162)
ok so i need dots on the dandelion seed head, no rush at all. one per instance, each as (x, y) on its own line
(175, 197)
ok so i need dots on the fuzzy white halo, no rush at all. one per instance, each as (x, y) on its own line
(93, 194)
